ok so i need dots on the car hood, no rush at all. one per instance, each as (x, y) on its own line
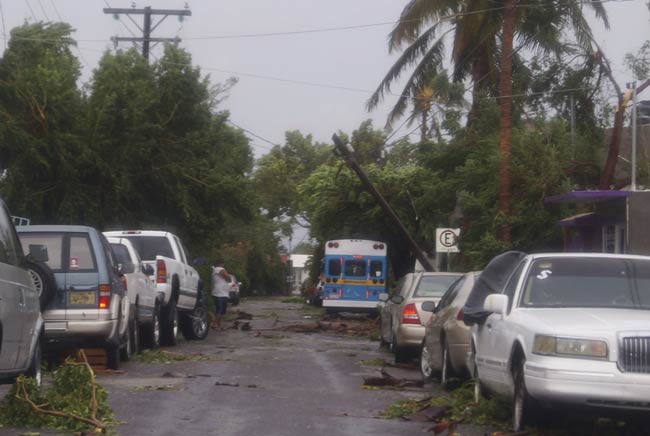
(586, 321)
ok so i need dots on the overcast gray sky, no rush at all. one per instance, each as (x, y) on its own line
(355, 59)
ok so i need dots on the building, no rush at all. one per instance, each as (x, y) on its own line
(299, 271)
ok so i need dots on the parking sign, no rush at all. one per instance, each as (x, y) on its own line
(447, 240)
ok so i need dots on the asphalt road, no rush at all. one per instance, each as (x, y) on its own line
(264, 381)
(273, 375)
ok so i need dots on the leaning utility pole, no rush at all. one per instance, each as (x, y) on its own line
(147, 27)
(347, 153)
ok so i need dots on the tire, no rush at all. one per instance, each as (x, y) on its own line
(43, 280)
(151, 332)
(34, 370)
(169, 325)
(195, 325)
(113, 357)
(524, 407)
(446, 370)
(479, 391)
(425, 366)
(401, 355)
(132, 344)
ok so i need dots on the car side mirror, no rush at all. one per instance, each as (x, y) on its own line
(429, 306)
(383, 297)
(496, 303)
(148, 269)
(126, 268)
(38, 252)
(396, 299)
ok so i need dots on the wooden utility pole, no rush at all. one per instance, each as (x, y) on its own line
(147, 27)
(348, 154)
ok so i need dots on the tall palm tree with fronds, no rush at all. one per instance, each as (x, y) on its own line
(483, 34)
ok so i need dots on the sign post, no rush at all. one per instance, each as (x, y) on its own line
(447, 242)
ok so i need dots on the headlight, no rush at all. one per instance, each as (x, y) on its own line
(551, 345)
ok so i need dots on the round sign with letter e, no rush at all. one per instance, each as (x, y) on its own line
(447, 240)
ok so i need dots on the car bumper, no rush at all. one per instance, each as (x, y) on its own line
(588, 383)
(410, 335)
(80, 332)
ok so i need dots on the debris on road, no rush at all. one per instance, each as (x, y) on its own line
(388, 380)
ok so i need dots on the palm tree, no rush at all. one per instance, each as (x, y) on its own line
(484, 33)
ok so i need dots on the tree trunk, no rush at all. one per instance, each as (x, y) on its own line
(505, 122)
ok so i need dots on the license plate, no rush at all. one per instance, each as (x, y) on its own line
(83, 298)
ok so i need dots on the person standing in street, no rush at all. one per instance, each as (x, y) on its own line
(220, 280)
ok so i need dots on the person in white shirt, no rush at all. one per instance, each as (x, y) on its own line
(220, 287)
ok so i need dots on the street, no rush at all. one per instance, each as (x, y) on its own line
(259, 381)
(271, 372)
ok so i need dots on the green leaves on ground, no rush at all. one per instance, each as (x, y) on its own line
(73, 392)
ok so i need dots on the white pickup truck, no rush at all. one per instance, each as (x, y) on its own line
(177, 283)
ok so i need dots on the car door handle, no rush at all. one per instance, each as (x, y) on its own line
(489, 325)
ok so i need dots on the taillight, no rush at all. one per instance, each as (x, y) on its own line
(459, 316)
(161, 271)
(410, 314)
(104, 296)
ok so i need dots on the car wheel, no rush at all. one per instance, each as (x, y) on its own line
(425, 362)
(523, 406)
(479, 392)
(43, 280)
(169, 325)
(34, 370)
(446, 370)
(126, 351)
(195, 324)
(113, 357)
(151, 332)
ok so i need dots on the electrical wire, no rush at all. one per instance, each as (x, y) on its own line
(81, 55)
(4, 32)
(253, 134)
(40, 3)
(31, 11)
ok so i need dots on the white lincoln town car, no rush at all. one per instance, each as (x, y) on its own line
(566, 329)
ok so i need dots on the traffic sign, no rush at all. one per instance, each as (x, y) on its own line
(447, 240)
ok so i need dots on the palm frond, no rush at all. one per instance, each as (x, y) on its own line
(415, 15)
(410, 56)
(427, 68)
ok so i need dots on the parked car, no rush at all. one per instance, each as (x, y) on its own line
(233, 293)
(177, 282)
(402, 318)
(446, 337)
(20, 315)
(144, 300)
(566, 329)
(90, 307)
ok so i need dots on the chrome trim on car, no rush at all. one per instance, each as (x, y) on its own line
(634, 356)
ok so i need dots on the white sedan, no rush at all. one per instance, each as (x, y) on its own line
(570, 329)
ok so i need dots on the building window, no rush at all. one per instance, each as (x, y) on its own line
(614, 238)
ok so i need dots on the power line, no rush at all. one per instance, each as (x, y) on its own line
(81, 55)
(4, 32)
(253, 134)
(31, 11)
(43, 10)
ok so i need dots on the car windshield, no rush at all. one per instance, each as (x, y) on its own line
(151, 246)
(434, 286)
(588, 282)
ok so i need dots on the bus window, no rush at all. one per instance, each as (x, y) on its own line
(355, 268)
(334, 267)
(376, 268)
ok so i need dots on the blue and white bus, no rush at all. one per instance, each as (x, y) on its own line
(354, 275)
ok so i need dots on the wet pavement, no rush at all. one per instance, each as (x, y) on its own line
(262, 380)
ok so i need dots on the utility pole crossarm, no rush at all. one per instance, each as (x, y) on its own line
(133, 11)
(352, 163)
(147, 27)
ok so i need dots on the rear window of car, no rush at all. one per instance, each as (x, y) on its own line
(434, 286)
(588, 282)
(121, 253)
(81, 254)
(151, 246)
(54, 244)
